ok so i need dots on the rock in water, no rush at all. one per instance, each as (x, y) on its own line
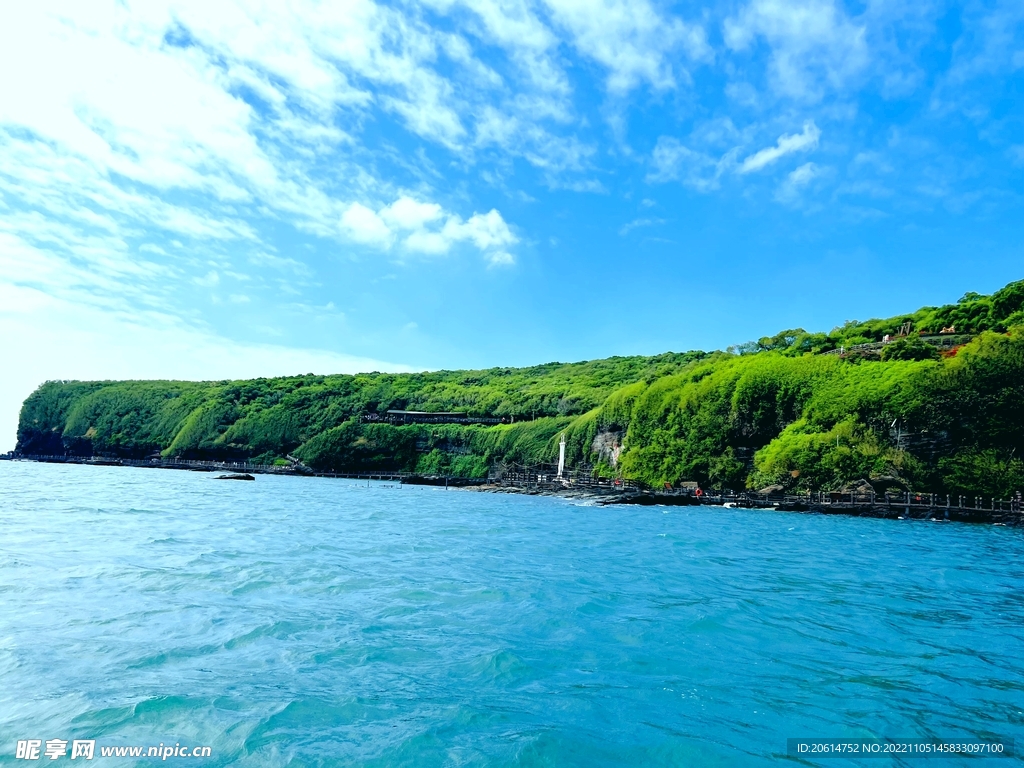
(235, 477)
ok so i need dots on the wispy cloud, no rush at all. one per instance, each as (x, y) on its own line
(181, 134)
(814, 45)
(674, 161)
(790, 189)
(632, 40)
(628, 227)
(786, 145)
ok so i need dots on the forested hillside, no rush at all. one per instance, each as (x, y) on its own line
(778, 411)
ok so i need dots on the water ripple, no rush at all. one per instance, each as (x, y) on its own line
(298, 621)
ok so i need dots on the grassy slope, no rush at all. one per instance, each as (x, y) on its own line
(776, 412)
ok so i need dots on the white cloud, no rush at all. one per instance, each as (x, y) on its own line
(628, 227)
(718, 134)
(104, 108)
(789, 190)
(427, 235)
(720, 145)
(992, 42)
(743, 94)
(522, 135)
(674, 161)
(501, 259)
(406, 213)
(53, 179)
(209, 280)
(263, 259)
(516, 28)
(578, 185)
(151, 110)
(631, 39)
(366, 226)
(428, 243)
(90, 270)
(786, 145)
(321, 52)
(814, 44)
(487, 230)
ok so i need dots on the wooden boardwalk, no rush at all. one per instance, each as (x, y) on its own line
(902, 505)
(896, 506)
(546, 479)
(939, 341)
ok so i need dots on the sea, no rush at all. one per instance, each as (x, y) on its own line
(311, 621)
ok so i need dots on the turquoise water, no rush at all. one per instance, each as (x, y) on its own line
(294, 621)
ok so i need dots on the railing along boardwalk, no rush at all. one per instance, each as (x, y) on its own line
(895, 505)
(900, 505)
(939, 341)
(547, 479)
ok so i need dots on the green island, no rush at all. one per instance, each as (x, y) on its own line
(933, 399)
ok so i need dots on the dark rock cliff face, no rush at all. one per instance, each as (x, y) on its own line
(42, 442)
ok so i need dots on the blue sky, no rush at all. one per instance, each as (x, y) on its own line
(197, 190)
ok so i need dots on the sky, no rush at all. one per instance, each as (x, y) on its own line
(209, 190)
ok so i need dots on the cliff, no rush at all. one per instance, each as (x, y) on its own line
(785, 410)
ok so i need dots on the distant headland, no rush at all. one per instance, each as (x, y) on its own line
(932, 400)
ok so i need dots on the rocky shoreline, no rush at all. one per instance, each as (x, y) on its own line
(855, 503)
(914, 508)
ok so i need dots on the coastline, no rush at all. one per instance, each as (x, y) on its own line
(906, 506)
